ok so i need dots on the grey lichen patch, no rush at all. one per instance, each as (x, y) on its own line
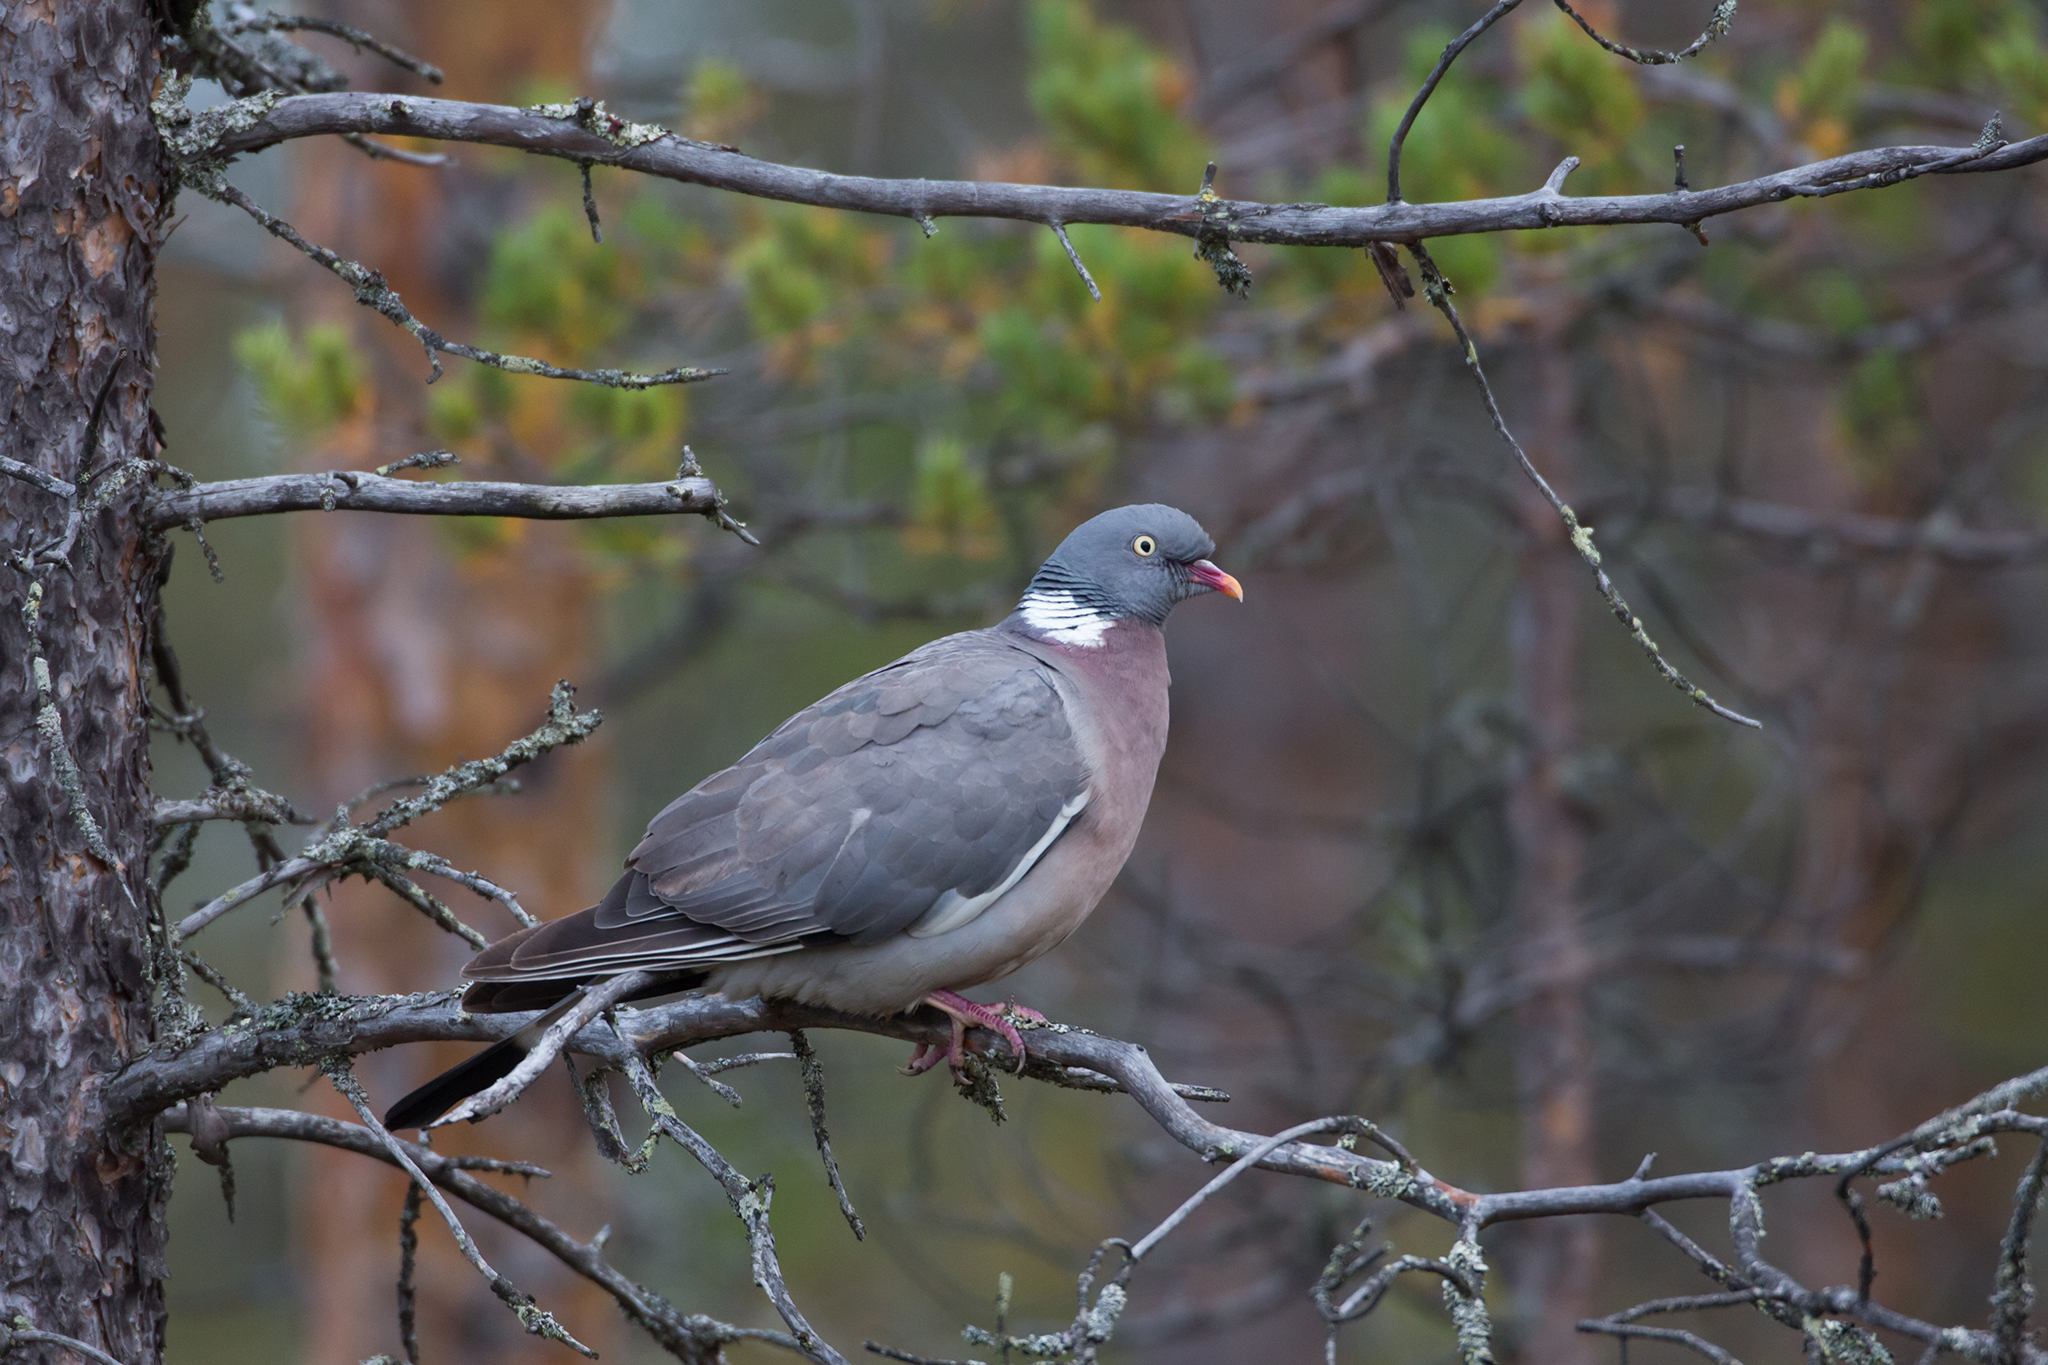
(1911, 1197)
(1846, 1343)
(193, 134)
(1037, 1346)
(1232, 273)
(1109, 1305)
(1384, 1179)
(592, 116)
(1468, 1312)
(976, 1082)
(1582, 538)
(758, 1199)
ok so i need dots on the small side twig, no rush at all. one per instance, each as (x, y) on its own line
(706, 1074)
(1443, 64)
(354, 37)
(374, 292)
(1717, 28)
(531, 1315)
(590, 206)
(814, 1100)
(1059, 230)
(1438, 290)
(408, 1252)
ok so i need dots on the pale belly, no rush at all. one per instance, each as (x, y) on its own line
(891, 977)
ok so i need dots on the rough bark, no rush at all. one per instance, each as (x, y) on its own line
(1553, 1056)
(81, 1235)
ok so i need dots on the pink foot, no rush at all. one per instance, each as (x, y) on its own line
(924, 1059)
(995, 1018)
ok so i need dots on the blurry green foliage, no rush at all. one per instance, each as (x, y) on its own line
(1819, 97)
(1108, 99)
(2017, 63)
(950, 506)
(718, 101)
(1577, 93)
(1881, 414)
(990, 339)
(305, 385)
(1457, 149)
(1946, 37)
(547, 278)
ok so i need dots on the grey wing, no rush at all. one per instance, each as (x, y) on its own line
(908, 800)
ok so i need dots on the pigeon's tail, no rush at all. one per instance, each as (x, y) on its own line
(459, 1082)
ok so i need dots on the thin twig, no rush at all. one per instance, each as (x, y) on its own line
(596, 999)
(408, 1251)
(2012, 1299)
(1429, 84)
(1438, 290)
(28, 473)
(1059, 230)
(555, 131)
(32, 1336)
(1236, 1169)
(750, 1200)
(531, 1316)
(814, 1100)
(372, 291)
(1717, 27)
(1624, 1330)
(354, 37)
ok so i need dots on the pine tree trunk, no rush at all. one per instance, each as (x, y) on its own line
(81, 179)
(1559, 1269)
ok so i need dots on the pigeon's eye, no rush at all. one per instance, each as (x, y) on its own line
(1145, 545)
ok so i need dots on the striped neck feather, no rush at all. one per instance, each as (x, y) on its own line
(1063, 617)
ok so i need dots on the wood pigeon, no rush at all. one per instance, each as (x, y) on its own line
(934, 825)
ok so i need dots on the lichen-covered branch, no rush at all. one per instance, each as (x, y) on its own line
(531, 1315)
(347, 849)
(309, 1029)
(750, 1200)
(374, 292)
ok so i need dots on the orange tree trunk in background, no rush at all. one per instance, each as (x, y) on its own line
(419, 653)
(1558, 1275)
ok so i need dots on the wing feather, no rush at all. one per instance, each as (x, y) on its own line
(931, 782)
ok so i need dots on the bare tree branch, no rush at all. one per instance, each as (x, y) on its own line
(555, 130)
(354, 37)
(1438, 290)
(750, 1202)
(691, 1337)
(596, 999)
(531, 1315)
(350, 490)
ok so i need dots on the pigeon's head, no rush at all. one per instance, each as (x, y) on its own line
(1133, 561)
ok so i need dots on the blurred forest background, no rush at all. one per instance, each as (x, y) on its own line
(1432, 843)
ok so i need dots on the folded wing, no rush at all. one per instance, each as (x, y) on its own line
(899, 803)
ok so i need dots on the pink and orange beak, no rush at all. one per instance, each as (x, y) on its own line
(1211, 577)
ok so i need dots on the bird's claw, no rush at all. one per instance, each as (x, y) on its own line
(964, 1012)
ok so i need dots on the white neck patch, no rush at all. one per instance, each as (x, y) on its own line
(1064, 619)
